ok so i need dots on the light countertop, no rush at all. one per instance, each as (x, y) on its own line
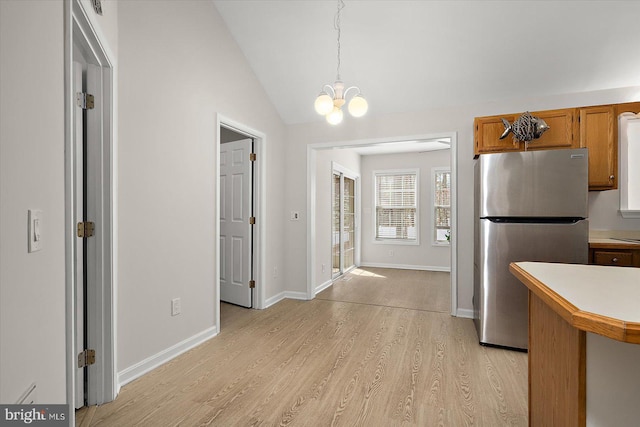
(610, 239)
(612, 243)
(599, 299)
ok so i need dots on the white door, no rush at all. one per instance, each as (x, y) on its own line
(236, 232)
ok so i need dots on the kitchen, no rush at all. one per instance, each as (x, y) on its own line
(531, 206)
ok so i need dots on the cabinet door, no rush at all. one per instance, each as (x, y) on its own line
(561, 133)
(597, 133)
(487, 135)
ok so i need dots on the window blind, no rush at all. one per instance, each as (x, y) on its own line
(396, 206)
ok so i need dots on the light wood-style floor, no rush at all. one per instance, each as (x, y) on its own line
(414, 289)
(322, 363)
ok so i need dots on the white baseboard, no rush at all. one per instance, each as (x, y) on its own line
(139, 369)
(407, 267)
(464, 312)
(282, 295)
(323, 286)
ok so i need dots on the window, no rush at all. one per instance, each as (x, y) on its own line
(441, 205)
(396, 202)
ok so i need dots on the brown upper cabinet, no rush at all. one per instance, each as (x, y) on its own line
(560, 134)
(595, 128)
(487, 135)
(598, 134)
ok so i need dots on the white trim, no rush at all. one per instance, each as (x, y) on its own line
(454, 223)
(323, 286)
(69, 167)
(407, 266)
(311, 202)
(464, 312)
(150, 363)
(626, 213)
(102, 388)
(335, 166)
(260, 207)
(311, 224)
(284, 295)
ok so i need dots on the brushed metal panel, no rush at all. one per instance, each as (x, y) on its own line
(547, 183)
(500, 299)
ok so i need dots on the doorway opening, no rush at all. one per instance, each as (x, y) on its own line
(240, 213)
(89, 218)
(377, 146)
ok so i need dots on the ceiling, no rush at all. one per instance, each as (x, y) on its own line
(418, 55)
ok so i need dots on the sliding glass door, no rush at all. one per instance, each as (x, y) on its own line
(344, 242)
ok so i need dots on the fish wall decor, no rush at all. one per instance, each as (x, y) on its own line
(525, 128)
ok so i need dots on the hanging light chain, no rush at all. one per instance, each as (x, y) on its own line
(337, 27)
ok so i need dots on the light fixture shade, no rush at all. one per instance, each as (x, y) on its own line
(358, 106)
(335, 116)
(323, 104)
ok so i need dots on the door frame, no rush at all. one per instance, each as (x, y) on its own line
(259, 190)
(311, 202)
(102, 386)
(348, 173)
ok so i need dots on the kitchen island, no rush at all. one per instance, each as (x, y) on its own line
(584, 327)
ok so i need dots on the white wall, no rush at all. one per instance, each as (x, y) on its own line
(179, 67)
(425, 255)
(32, 286)
(604, 214)
(324, 179)
(452, 119)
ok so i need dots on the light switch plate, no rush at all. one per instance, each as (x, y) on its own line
(34, 230)
(175, 307)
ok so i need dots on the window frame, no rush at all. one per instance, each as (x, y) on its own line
(389, 241)
(434, 206)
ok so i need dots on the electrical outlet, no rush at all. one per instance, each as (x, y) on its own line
(275, 272)
(175, 307)
(391, 253)
(295, 215)
(323, 267)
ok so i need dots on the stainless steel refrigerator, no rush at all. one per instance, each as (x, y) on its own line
(530, 206)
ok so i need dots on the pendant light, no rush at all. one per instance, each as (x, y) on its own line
(331, 99)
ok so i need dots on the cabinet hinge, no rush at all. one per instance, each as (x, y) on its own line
(86, 358)
(84, 100)
(252, 157)
(85, 229)
(252, 284)
(252, 220)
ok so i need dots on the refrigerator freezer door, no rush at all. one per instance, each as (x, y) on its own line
(500, 300)
(546, 183)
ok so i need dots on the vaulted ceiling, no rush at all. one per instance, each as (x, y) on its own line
(418, 55)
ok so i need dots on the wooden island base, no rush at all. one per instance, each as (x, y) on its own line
(584, 327)
(557, 368)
